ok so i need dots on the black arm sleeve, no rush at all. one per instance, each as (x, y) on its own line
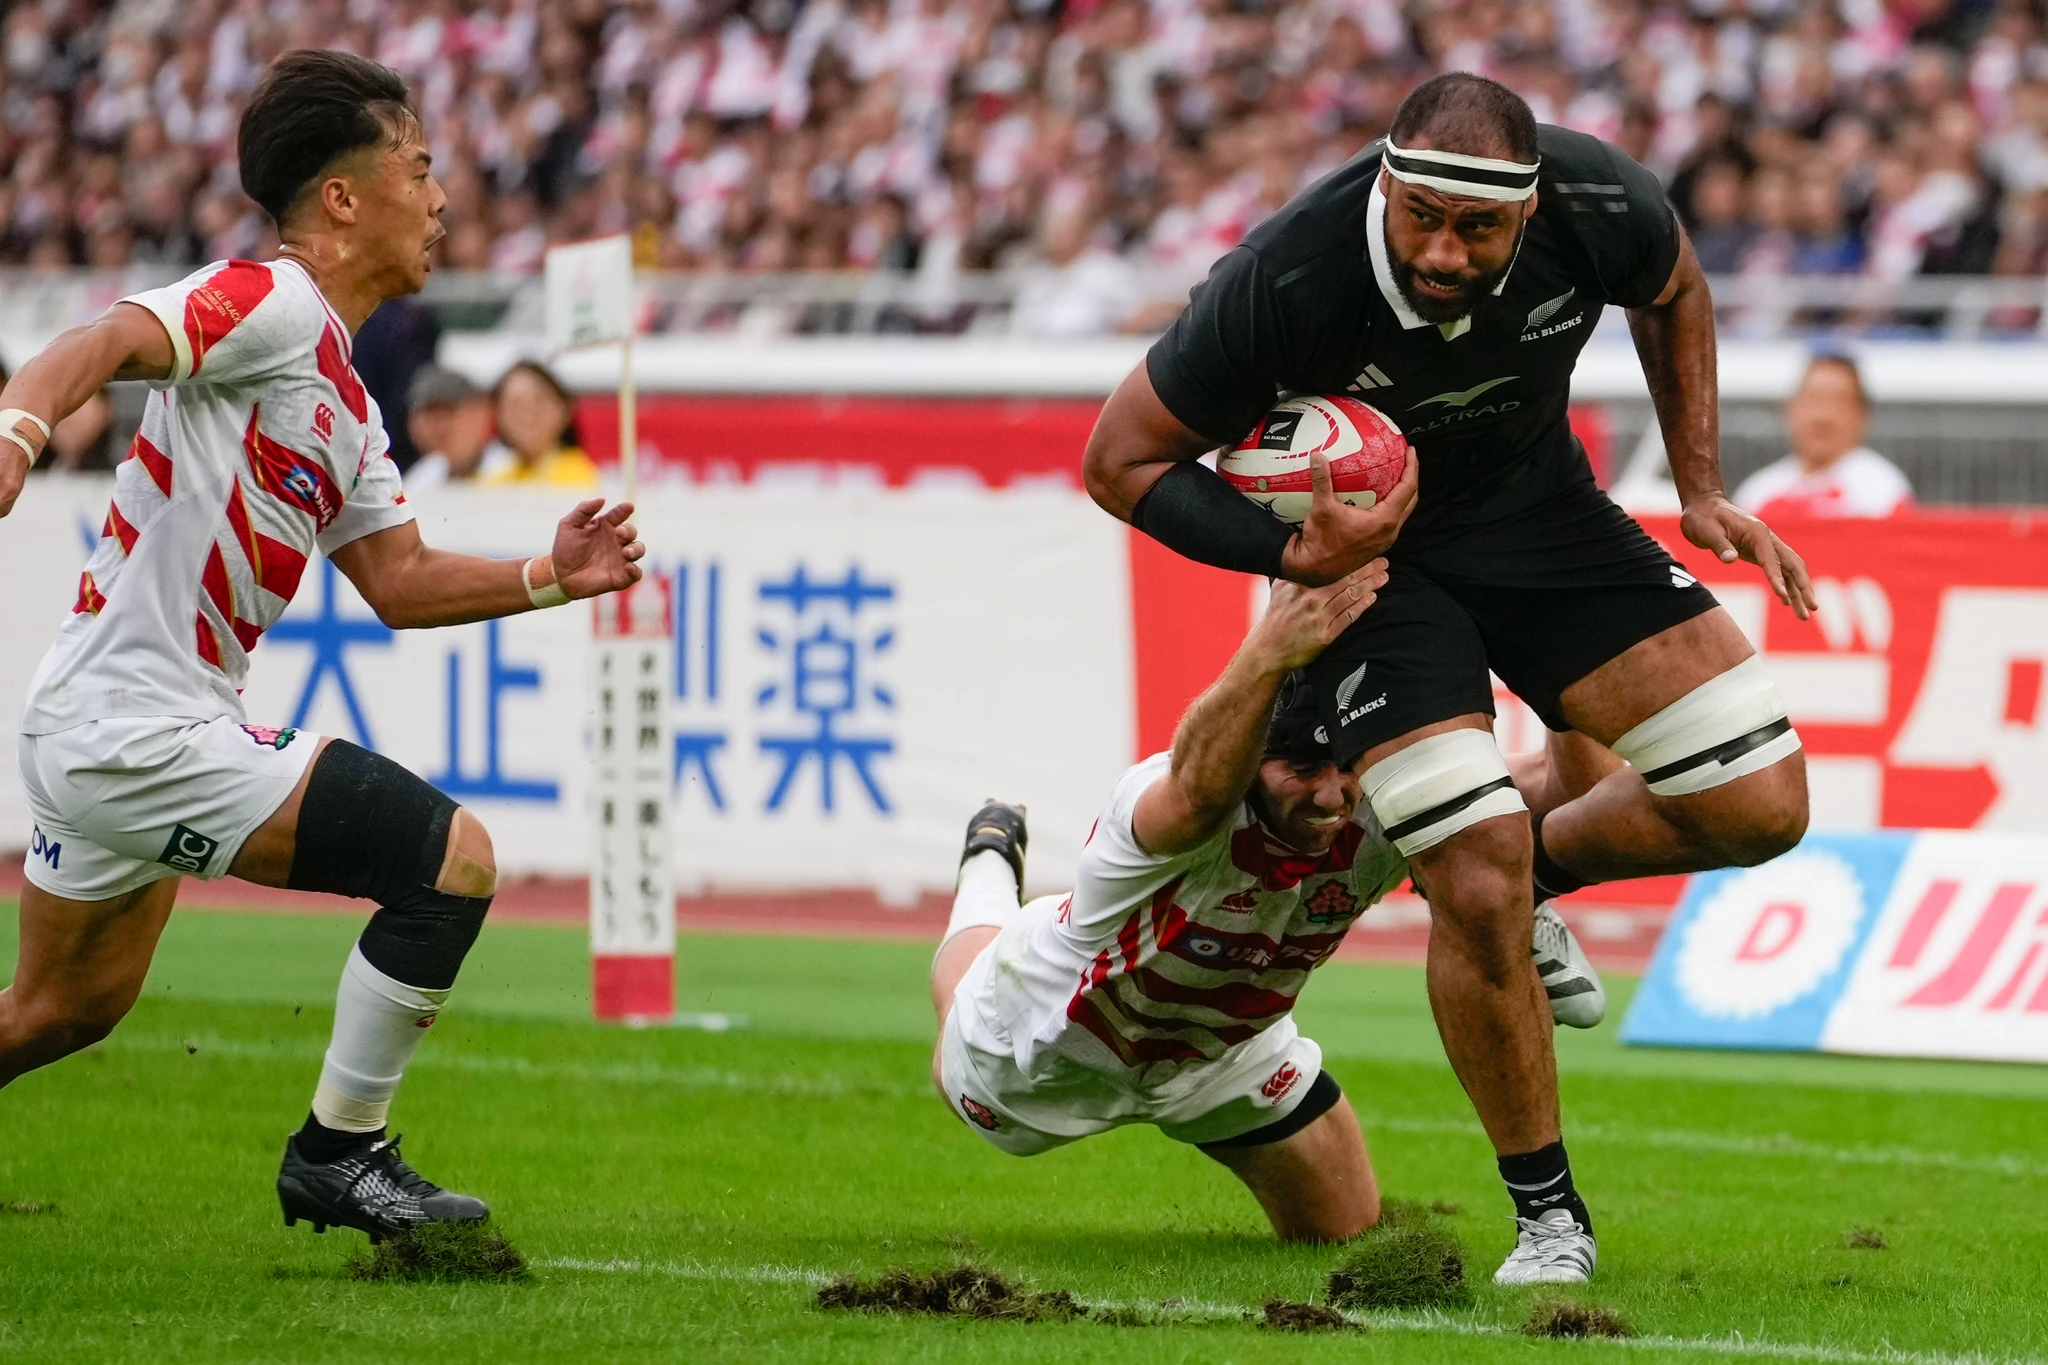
(1192, 511)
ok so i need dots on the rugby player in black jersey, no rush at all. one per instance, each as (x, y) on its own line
(1450, 276)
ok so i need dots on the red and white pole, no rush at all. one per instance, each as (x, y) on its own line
(632, 887)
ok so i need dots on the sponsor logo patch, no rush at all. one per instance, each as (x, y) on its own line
(983, 1116)
(1460, 398)
(1239, 902)
(188, 850)
(1280, 1082)
(269, 736)
(1278, 433)
(323, 421)
(41, 845)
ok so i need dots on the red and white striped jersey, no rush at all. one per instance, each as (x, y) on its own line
(261, 448)
(1157, 964)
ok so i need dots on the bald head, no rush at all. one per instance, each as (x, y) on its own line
(1461, 112)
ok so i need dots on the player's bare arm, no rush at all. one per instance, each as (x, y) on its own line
(1137, 442)
(1222, 738)
(125, 342)
(411, 585)
(1675, 339)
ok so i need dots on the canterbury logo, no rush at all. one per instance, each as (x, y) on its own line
(1456, 399)
(1544, 312)
(1348, 689)
(1371, 377)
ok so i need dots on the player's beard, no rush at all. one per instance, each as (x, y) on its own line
(1471, 289)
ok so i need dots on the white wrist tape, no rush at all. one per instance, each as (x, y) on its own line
(1727, 727)
(10, 422)
(550, 596)
(1438, 786)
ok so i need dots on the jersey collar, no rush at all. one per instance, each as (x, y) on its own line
(1383, 271)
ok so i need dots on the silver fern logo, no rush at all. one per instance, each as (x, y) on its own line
(1544, 312)
(1348, 689)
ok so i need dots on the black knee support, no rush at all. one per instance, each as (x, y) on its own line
(370, 828)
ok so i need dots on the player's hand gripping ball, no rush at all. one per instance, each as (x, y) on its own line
(1366, 452)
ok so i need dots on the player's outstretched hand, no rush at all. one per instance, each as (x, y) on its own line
(1301, 622)
(596, 549)
(1719, 525)
(1337, 538)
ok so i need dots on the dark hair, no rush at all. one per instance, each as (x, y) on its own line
(1848, 365)
(547, 377)
(311, 108)
(1465, 113)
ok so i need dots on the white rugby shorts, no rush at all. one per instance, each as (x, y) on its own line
(127, 801)
(1259, 1082)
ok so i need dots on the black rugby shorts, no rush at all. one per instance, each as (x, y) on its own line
(1541, 597)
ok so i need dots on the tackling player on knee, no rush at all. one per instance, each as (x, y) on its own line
(1161, 990)
(1450, 276)
(258, 450)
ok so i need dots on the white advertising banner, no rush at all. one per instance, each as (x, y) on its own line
(855, 671)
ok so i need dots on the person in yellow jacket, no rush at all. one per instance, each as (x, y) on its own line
(537, 426)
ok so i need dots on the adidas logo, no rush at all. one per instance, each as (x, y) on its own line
(1680, 578)
(1348, 689)
(1371, 377)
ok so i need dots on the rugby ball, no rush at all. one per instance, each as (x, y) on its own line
(1270, 466)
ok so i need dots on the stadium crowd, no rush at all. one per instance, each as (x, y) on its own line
(1118, 145)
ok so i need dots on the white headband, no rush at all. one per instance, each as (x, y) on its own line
(1473, 177)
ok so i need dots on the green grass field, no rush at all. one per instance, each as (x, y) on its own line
(681, 1194)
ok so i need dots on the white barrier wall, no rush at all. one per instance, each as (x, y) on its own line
(855, 673)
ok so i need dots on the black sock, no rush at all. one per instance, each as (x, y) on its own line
(1551, 880)
(1541, 1180)
(320, 1144)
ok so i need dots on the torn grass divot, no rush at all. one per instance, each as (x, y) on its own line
(962, 1291)
(442, 1252)
(1864, 1239)
(1571, 1319)
(1284, 1315)
(1409, 1259)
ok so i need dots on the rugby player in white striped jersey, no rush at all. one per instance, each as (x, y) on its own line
(1162, 989)
(259, 449)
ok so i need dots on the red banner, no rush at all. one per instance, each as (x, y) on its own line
(1918, 687)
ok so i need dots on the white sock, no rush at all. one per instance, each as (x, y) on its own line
(378, 1023)
(987, 897)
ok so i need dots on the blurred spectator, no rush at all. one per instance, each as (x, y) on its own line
(1721, 228)
(951, 135)
(1830, 472)
(450, 425)
(390, 348)
(536, 420)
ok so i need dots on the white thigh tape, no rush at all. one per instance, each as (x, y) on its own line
(1725, 728)
(1438, 786)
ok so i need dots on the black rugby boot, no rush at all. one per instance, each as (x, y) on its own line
(999, 827)
(371, 1188)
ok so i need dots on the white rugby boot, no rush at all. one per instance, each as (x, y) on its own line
(1577, 998)
(1552, 1249)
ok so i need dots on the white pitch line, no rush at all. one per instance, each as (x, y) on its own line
(1734, 1344)
(2004, 1164)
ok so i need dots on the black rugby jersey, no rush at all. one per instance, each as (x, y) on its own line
(1300, 307)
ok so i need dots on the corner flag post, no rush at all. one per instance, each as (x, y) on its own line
(632, 663)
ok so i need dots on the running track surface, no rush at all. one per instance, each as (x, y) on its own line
(1618, 923)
